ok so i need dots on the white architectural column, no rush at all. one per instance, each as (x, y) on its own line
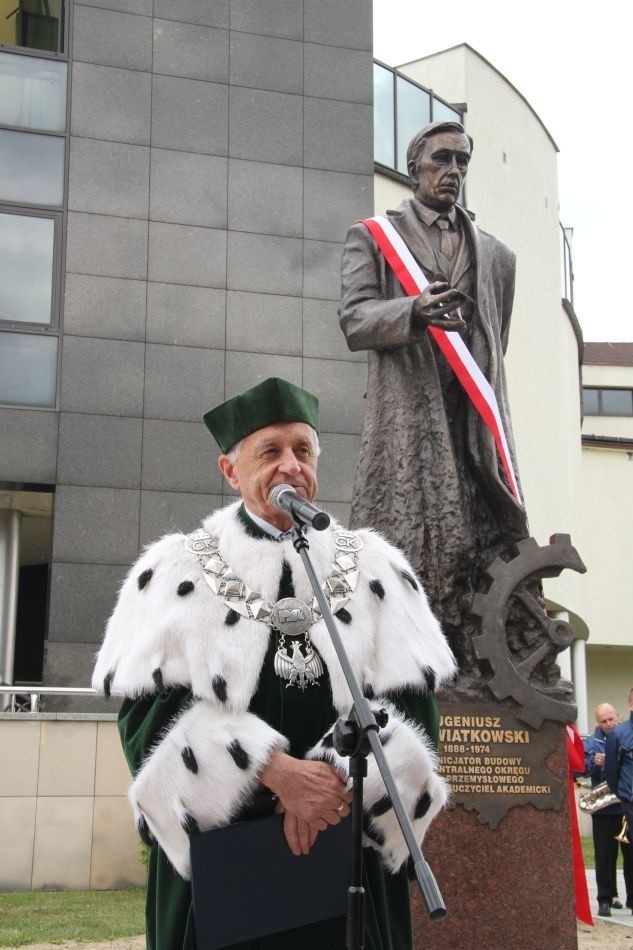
(579, 678)
(9, 574)
(572, 667)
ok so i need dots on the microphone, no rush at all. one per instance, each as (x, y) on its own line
(285, 498)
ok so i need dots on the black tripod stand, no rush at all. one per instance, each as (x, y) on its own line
(356, 737)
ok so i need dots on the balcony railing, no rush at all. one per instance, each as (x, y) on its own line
(32, 695)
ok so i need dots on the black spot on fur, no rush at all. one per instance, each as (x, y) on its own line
(377, 589)
(157, 676)
(384, 737)
(412, 876)
(344, 615)
(375, 834)
(429, 678)
(422, 805)
(410, 579)
(238, 754)
(189, 759)
(286, 583)
(143, 832)
(381, 716)
(107, 683)
(231, 618)
(328, 741)
(144, 578)
(218, 684)
(380, 807)
(185, 588)
(191, 826)
(368, 692)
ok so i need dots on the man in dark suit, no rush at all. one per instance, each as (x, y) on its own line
(429, 475)
(606, 822)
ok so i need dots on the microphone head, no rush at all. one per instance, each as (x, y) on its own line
(276, 493)
(321, 521)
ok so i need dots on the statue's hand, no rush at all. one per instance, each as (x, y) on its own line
(437, 303)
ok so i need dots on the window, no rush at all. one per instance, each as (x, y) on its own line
(28, 369)
(383, 117)
(32, 162)
(26, 268)
(32, 92)
(33, 24)
(401, 108)
(31, 168)
(607, 402)
(413, 111)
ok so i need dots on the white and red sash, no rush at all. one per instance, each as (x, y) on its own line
(475, 384)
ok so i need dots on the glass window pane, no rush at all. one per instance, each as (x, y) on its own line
(31, 23)
(414, 111)
(32, 93)
(443, 113)
(31, 168)
(26, 268)
(590, 402)
(383, 117)
(617, 402)
(28, 369)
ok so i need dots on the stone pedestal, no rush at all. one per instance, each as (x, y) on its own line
(507, 886)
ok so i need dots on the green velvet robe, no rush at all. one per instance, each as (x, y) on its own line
(303, 718)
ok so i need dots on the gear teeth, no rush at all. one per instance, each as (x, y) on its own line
(479, 643)
(478, 608)
(498, 687)
(560, 540)
(527, 545)
(497, 568)
(490, 643)
(530, 716)
(568, 554)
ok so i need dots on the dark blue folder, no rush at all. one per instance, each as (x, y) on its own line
(247, 883)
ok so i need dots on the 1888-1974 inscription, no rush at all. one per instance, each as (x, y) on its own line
(493, 762)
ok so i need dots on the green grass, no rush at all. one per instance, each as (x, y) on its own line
(587, 852)
(56, 916)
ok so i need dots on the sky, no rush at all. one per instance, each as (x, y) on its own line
(572, 61)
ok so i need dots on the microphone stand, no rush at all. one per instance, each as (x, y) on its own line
(356, 737)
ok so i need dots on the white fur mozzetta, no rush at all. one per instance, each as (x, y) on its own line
(169, 629)
(412, 762)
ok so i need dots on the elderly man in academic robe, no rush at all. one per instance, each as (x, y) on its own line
(229, 709)
(429, 475)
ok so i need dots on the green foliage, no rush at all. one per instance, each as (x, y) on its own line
(57, 916)
(143, 854)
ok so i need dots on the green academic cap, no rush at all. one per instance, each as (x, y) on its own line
(274, 400)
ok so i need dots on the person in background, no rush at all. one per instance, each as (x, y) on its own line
(618, 773)
(607, 822)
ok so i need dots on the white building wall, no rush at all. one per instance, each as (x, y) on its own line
(608, 502)
(608, 377)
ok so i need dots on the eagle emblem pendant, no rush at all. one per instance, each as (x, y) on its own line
(298, 663)
(299, 668)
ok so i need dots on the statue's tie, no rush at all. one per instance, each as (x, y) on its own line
(446, 245)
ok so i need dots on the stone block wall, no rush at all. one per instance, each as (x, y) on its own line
(65, 821)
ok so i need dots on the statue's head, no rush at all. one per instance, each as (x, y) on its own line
(437, 161)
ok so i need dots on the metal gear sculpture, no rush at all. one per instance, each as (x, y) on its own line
(511, 671)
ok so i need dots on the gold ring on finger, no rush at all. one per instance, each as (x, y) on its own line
(341, 807)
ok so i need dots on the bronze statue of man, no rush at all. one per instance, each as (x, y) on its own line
(429, 475)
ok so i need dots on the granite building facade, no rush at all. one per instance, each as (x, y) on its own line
(212, 156)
